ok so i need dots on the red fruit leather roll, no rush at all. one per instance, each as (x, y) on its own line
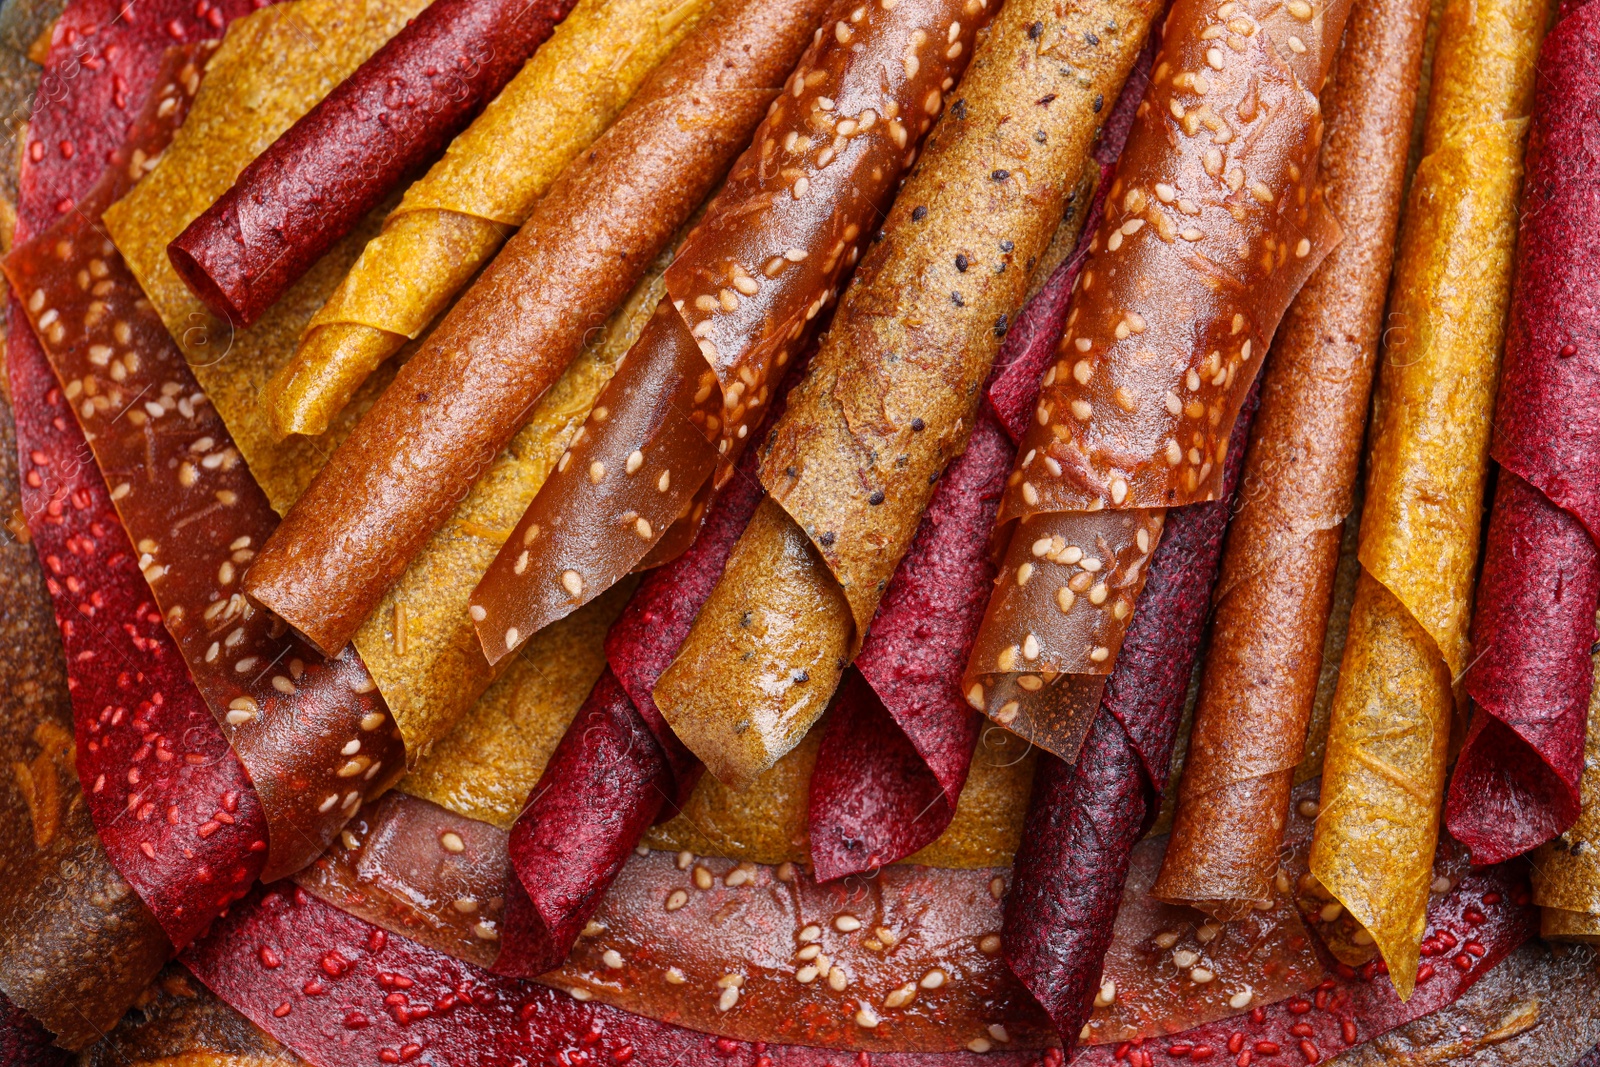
(454, 406)
(1084, 820)
(326, 172)
(618, 768)
(899, 743)
(80, 939)
(342, 993)
(742, 295)
(313, 735)
(1516, 783)
(1213, 222)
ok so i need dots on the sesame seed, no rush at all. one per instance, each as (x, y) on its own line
(513, 635)
(572, 582)
(847, 924)
(372, 720)
(1008, 712)
(1241, 1000)
(1065, 598)
(1330, 911)
(865, 1018)
(729, 997)
(1024, 572)
(1100, 654)
(933, 979)
(837, 979)
(1106, 995)
(975, 697)
(979, 1045)
(677, 899)
(1030, 647)
(702, 878)
(807, 974)
(813, 932)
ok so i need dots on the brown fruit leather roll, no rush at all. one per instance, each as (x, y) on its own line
(321, 178)
(1212, 224)
(741, 296)
(460, 399)
(1276, 584)
(891, 397)
(313, 734)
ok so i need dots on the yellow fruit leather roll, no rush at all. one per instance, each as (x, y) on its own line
(454, 219)
(1383, 776)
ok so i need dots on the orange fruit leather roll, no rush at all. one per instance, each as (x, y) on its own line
(1213, 222)
(1395, 704)
(454, 406)
(890, 397)
(1276, 586)
(742, 293)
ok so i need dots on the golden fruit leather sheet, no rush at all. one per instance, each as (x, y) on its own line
(273, 66)
(1383, 775)
(1277, 578)
(889, 399)
(1566, 871)
(451, 222)
(1212, 224)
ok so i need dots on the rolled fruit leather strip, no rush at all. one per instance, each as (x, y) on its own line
(619, 767)
(1085, 818)
(897, 377)
(1566, 870)
(342, 158)
(1383, 775)
(1276, 586)
(1517, 780)
(79, 942)
(1213, 222)
(742, 294)
(453, 220)
(335, 990)
(901, 737)
(313, 734)
(452, 408)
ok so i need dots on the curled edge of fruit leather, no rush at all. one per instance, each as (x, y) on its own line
(451, 221)
(338, 161)
(1517, 779)
(742, 293)
(1276, 582)
(1197, 259)
(456, 403)
(1085, 818)
(900, 740)
(290, 715)
(1566, 869)
(1383, 775)
(897, 376)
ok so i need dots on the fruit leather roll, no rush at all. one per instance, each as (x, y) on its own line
(459, 400)
(1516, 783)
(1389, 732)
(87, 921)
(742, 294)
(314, 735)
(901, 737)
(619, 767)
(1213, 222)
(1084, 819)
(891, 397)
(453, 220)
(1276, 583)
(342, 158)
